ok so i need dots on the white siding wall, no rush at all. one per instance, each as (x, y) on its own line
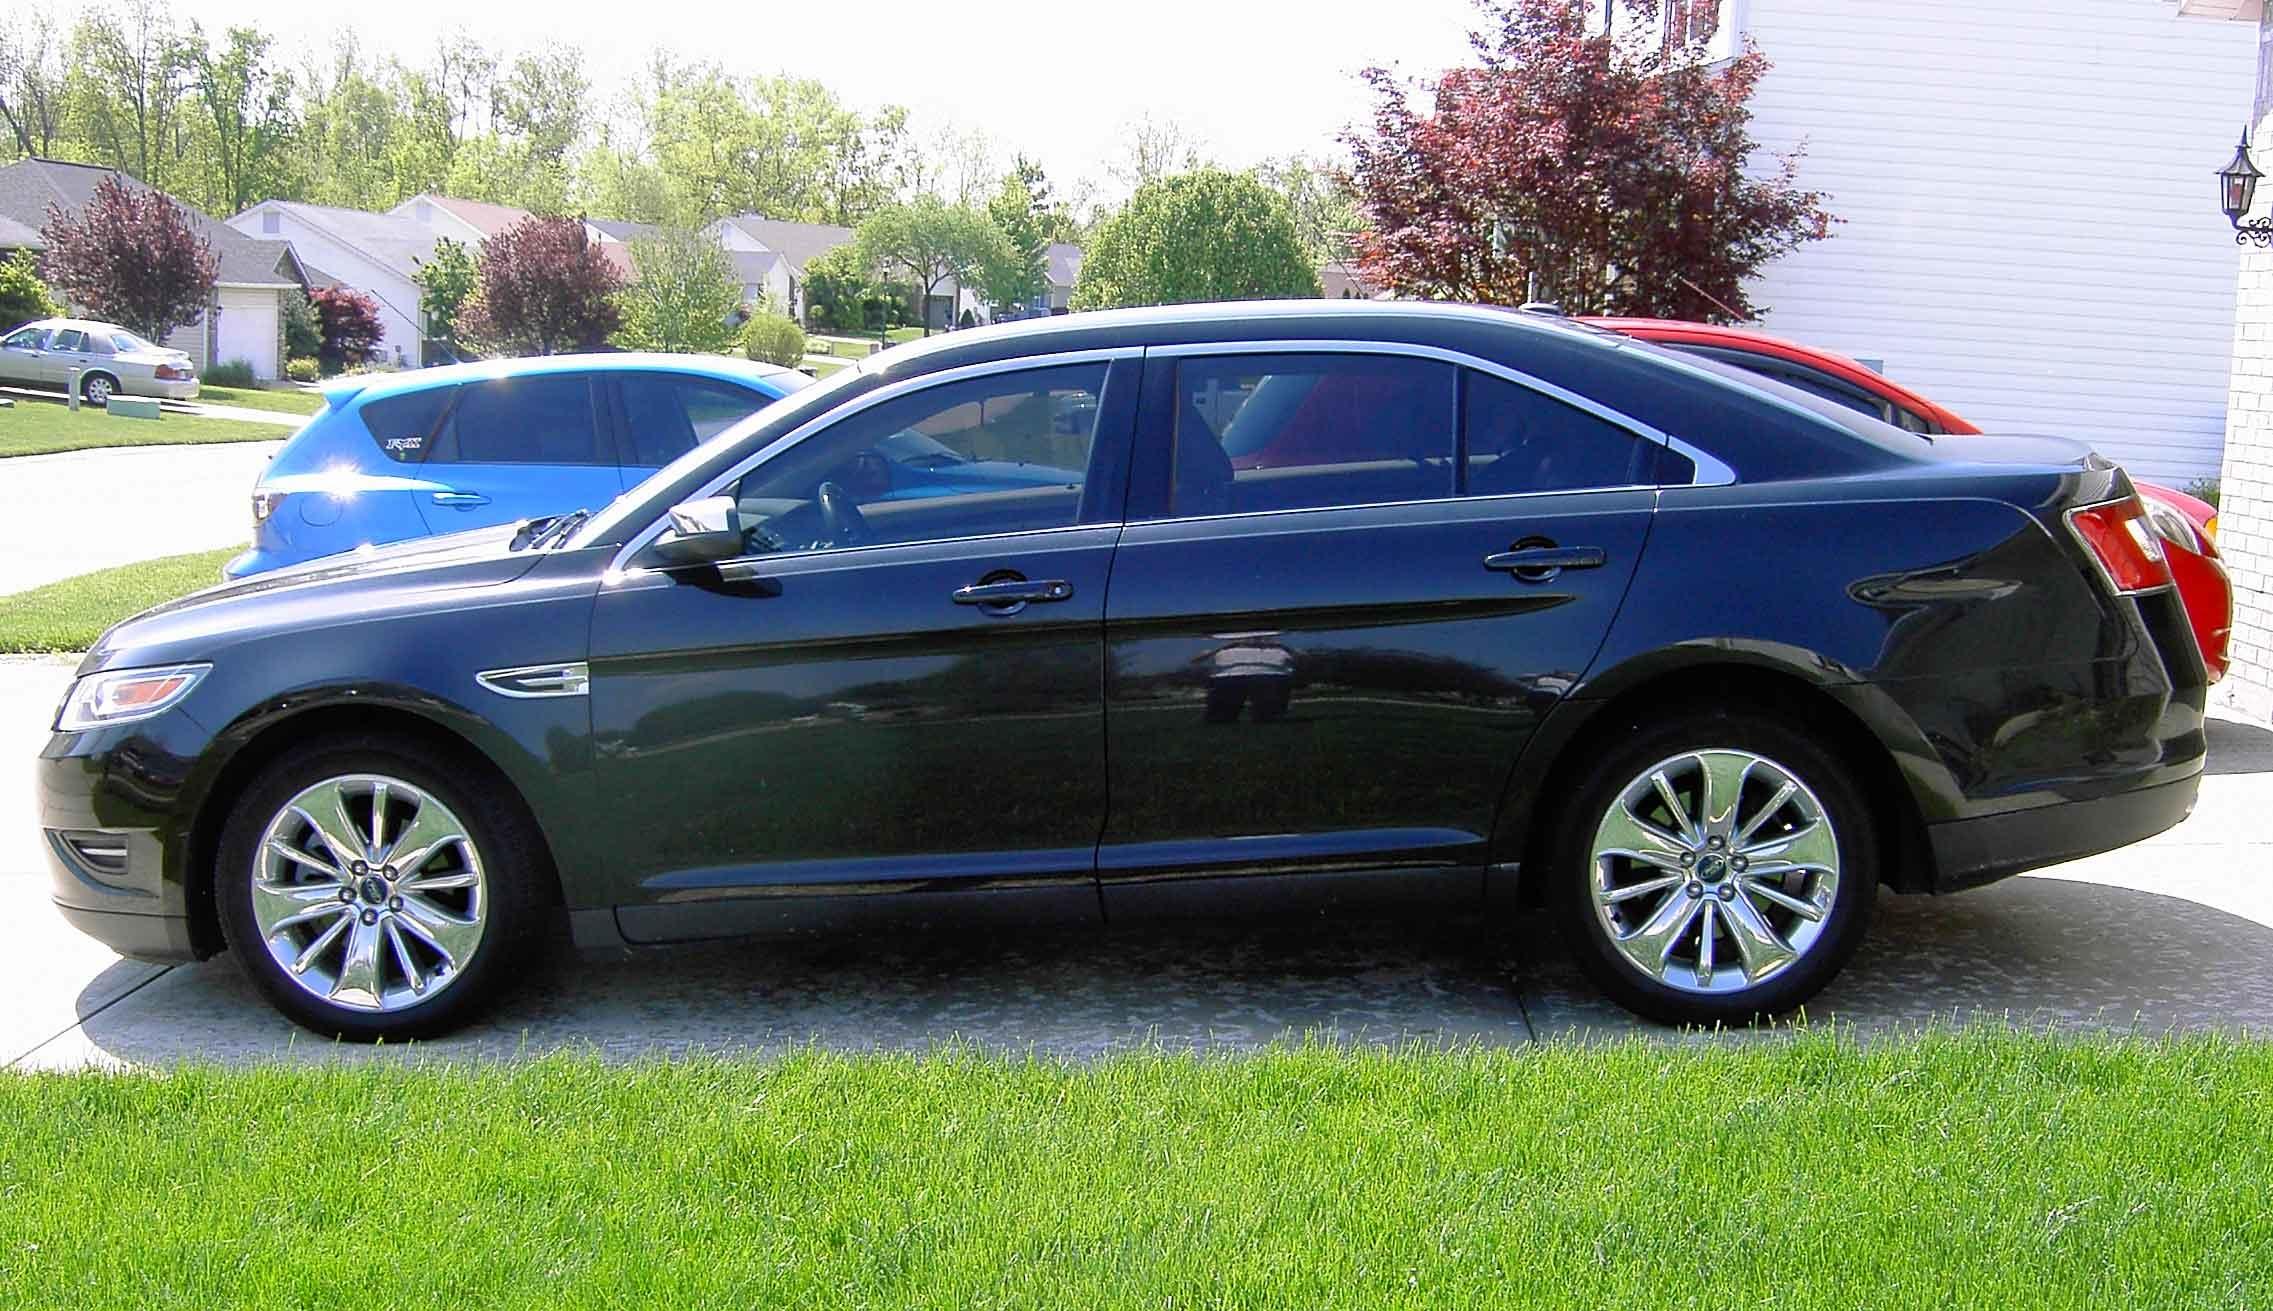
(2032, 234)
(397, 295)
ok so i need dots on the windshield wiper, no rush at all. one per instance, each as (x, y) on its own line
(531, 530)
(550, 528)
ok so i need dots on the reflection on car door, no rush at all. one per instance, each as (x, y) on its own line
(518, 448)
(1329, 640)
(886, 694)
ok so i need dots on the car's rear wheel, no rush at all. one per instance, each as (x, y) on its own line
(1716, 867)
(98, 388)
(371, 893)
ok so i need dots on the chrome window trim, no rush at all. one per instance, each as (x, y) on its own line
(1480, 499)
(1711, 470)
(888, 392)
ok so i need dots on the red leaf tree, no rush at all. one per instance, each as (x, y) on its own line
(1604, 170)
(543, 287)
(349, 322)
(130, 256)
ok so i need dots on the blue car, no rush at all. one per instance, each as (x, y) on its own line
(397, 456)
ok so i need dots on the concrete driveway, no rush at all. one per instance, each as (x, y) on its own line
(85, 510)
(2173, 933)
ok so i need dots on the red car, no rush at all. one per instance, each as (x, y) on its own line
(2186, 524)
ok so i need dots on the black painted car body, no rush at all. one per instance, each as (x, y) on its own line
(1296, 699)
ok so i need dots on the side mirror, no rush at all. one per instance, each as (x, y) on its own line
(702, 532)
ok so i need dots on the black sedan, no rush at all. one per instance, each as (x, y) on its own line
(1305, 602)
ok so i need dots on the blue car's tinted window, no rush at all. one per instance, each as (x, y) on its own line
(541, 419)
(998, 454)
(665, 414)
(402, 424)
(1520, 440)
(1295, 432)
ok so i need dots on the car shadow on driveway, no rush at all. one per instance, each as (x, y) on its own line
(2237, 748)
(2035, 951)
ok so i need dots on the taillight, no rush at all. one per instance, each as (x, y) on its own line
(2117, 537)
(264, 505)
(173, 373)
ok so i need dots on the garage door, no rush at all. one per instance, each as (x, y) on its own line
(248, 330)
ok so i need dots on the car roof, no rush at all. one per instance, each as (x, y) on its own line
(340, 391)
(84, 325)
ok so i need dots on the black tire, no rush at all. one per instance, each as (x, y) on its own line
(1641, 741)
(86, 387)
(513, 858)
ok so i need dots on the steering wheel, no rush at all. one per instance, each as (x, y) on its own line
(841, 521)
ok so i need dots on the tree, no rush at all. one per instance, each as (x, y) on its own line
(446, 280)
(249, 102)
(842, 293)
(1606, 170)
(1020, 211)
(130, 256)
(349, 322)
(129, 86)
(930, 241)
(31, 79)
(1152, 149)
(1324, 208)
(23, 297)
(683, 297)
(774, 339)
(1208, 235)
(303, 331)
(544, 288)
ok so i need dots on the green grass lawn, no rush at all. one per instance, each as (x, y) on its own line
(262, 398)
(1978, 1169)
(69, 615)
(32, 427)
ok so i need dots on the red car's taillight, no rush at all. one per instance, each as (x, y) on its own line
(2119, 540)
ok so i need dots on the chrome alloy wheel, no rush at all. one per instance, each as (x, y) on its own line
(1714, 871)
(97, 389)
(369, 892)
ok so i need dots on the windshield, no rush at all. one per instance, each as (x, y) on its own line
(718, 451)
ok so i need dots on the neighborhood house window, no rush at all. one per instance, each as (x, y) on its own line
(269, 223)
(402, 424)
(1293, 432)
(546, 419)
(1520, 440)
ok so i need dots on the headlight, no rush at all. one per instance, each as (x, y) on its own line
(121, 696)
(2170, 523)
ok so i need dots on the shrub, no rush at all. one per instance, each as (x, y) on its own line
(23, 297)
(301, 369)
(303, 331)
(2205, 489)
(774, 339)
(351, 328)
(231, 373)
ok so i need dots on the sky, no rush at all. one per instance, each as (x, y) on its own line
(1250, 78)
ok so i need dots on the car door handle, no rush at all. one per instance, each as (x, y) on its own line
(462, 500)
(1014, 591)
(1537, 564)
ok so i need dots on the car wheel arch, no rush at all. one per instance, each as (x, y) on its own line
(279, 734)
(1865, 737)
(87, 377)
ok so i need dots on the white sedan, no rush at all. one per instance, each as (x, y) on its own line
(106, 359)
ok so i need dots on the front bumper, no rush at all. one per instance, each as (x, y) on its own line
(1971, 852)
(111, 843)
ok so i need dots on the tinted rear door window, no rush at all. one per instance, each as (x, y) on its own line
(1520, 440)
(1294, 432)
(545, 419)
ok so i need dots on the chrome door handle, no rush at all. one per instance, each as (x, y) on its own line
(1537, 564)
(1014, 592)
(462, 500)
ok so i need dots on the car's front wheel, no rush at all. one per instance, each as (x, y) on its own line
(371, 894)
(1716, 867)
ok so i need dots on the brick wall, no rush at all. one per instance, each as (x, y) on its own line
(2245, 504)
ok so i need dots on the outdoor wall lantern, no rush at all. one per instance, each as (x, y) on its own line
(2237, 189)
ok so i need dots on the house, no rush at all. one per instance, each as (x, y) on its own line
(1063, 269)
(472, 222)
(770, 255)
(2024, 233)
(2245, 481)
(376, 254)
(245, 319)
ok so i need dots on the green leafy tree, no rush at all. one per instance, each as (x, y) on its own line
(303, 329)
(32, 79)
(446, 281)
(931, 242)
(843, 293)
(683, 296)
(23, 297)
(1208, 235)
(1321, 202)
(249, 106)
(1020, 209)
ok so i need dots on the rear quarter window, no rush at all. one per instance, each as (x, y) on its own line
(403, 424)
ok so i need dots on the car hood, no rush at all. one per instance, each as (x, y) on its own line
(361, 586)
